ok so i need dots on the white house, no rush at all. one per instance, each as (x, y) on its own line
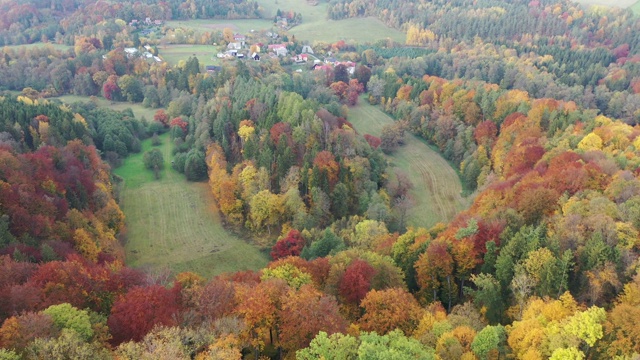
(234, 46)
(279, 49)
(307, 49)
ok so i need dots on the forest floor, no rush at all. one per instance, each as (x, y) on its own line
(437, 190)
(174, 224)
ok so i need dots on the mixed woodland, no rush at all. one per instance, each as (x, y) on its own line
(536, 104)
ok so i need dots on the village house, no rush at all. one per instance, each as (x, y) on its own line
(131, 52)
(234, 46)
(301, 58)
(307, 49)
(279, 49)
(239, 38)
(213, 68)
(255, 56)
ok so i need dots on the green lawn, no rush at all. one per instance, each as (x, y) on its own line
(175, 224)
(636, 7)
(138, 110)
(437, 187)
(206, 54)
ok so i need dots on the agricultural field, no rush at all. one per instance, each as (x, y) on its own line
(173, 224)
(437, 187)
(635, 4)
(636, 7)
(241, 25)
(315, 26)
(172, 54)
(138, 110)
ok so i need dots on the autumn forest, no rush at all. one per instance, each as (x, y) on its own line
(532, 105)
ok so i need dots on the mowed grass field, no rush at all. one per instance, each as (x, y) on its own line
(634, 4)
(437, 187)
(172, 54)
(316, 27)
(175, 224)
(636, 7)
(138, 110)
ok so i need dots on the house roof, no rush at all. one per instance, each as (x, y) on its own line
(277, 46)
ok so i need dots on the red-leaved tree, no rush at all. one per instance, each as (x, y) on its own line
(356, 281)
(290, 245)
(139, 310)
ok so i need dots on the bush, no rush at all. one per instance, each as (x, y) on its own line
(153, 160)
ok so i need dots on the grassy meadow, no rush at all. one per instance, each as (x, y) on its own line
(437, 187)
(175, 224)
(206, 54)
(138, 110)
(315, 25)
(634, 4)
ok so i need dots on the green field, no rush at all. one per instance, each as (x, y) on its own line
(138, 110)
(314, 27)
(619, 3)
(206, 54)
(636, 7)
(174, 224)
(437, 187)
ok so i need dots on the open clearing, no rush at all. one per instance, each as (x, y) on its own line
(241, 25)
(138, 110)
(437, 187)
(172, 54)
(315, 25)
(174, 224)
(618, 3)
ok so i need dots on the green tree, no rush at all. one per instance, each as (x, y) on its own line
(153, 160)
(489, 340)
(66, 316)
(487, 296)
(131, 88)
(335, 347)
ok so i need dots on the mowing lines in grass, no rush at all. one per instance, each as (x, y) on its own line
(437, 187)
(174, 224)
